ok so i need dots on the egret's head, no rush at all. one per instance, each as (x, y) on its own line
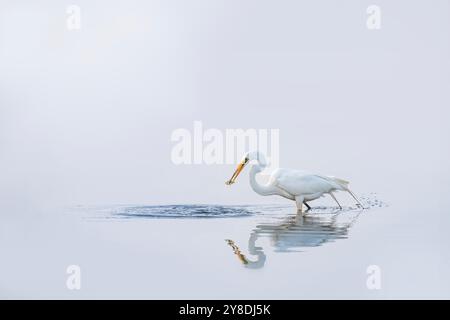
(257, 157)
(248, 157)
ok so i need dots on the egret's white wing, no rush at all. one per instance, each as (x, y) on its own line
(298, 182)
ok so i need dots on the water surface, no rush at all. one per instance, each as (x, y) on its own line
(286, 229)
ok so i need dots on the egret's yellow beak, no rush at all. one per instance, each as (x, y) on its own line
(236, 173)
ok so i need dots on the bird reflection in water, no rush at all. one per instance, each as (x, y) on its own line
(295, 233)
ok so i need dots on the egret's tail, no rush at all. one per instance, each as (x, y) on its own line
(341, 182)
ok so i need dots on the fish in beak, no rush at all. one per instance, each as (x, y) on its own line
(239, 168)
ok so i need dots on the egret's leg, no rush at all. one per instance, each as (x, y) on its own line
(354, 197)
(299, 202)
(307, 205)
(334, 198)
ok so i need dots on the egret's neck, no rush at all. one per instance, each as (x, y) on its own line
(261, 189)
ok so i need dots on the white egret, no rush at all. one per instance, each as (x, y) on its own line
(297, 185)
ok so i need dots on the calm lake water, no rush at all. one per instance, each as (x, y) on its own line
(218, 251)
(286, 230)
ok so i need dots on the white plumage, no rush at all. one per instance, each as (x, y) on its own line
(298, 185)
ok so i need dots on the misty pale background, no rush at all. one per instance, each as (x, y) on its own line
(86, 115)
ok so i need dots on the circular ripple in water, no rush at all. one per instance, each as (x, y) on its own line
(183, 211)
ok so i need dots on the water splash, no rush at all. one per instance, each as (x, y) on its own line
(183, 211)
(127, 212)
